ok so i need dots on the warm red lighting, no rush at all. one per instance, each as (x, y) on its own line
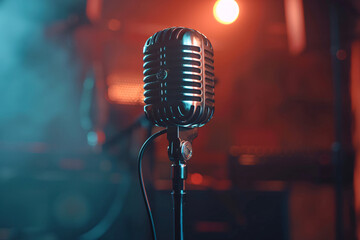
(295, 24)
(93, 10)
(355, 104)
(247, 159)
(196, 178)
(226, 11)
(100, 136)
(221, 185)
(124, 89)
(114, 25)
(126, 93)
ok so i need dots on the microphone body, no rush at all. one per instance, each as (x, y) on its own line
(178, 78)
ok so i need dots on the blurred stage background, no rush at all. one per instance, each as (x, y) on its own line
(71, 121)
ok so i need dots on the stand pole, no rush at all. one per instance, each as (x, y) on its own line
(178, 196)
(179, 175)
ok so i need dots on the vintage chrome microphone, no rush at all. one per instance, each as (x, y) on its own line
(178, 78)
(179, 92)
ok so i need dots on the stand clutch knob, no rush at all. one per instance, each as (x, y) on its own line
(186, 150)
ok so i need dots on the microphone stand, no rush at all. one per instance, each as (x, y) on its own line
(179, 152)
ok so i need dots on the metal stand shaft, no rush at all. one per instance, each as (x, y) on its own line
(178, 195)
(179, 174)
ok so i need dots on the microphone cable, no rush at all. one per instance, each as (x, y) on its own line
(141, 179)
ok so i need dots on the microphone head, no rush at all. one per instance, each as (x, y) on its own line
(178, 78)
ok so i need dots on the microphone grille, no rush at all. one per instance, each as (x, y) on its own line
(179, 78)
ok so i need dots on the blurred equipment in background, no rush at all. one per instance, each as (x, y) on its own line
(231, 214)
(64, 196)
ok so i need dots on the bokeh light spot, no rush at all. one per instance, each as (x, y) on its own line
(114, 24)
(196, 178)
(226, 11)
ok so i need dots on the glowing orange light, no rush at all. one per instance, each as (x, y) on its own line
(196, 178)
(295, 24)
(126, 93)
(124, 89)
(94, 9)
(226, 11)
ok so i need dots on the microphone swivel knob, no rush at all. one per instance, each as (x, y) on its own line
(162, 74)
(186, 150)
